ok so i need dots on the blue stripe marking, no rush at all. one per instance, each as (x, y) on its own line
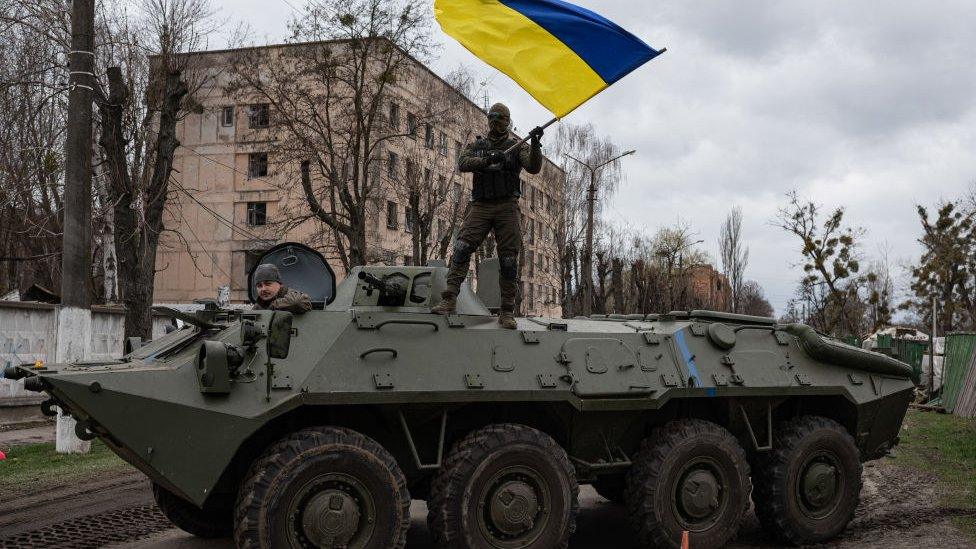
(609, 50)
(679, 337)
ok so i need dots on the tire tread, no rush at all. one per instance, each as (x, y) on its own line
(448, 485)
(772, 471)
(646, 469)
(260, 477)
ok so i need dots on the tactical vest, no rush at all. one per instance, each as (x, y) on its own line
(496, 184)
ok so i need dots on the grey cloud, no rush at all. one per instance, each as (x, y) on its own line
(868, 105)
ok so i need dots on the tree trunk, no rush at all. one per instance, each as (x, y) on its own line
(138, 206)
(617, 285)
(110, 261)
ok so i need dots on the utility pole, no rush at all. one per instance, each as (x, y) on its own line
(74, 316)
(76, 256)
(587, 266)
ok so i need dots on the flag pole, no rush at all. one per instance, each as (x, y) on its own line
(526, 138)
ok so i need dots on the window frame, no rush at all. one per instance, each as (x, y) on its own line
(394, 116)
(392, 164)
(411, 125)
(224, 111)
(253, 163)
(392, 223)
(253, 215)
(253, 116)
(442, 144)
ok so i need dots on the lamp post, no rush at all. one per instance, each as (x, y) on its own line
(587, 267)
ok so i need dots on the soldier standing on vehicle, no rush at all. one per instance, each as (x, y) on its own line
(494, 207)
(272, 294)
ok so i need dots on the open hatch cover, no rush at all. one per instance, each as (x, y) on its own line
(301, 268)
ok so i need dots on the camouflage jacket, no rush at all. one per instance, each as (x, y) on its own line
(473, 157)
(287, 299)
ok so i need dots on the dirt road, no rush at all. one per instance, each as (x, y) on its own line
(899, 510)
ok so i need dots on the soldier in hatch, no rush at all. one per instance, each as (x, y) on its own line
(272, 294)
(494, 207)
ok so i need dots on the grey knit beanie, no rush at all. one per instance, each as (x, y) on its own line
(267, 272)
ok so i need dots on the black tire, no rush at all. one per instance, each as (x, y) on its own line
(664, 494)
(468, 507)
(203, 523)
(355, 491)
(611, 488)
(784, 508)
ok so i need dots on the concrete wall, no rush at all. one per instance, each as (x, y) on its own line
(29, 331)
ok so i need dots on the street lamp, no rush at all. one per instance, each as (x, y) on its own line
(588, 245)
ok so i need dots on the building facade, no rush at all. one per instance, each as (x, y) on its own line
(232, 198)
(709, 288)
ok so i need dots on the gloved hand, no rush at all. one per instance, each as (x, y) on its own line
(536, 136)
(495, 157)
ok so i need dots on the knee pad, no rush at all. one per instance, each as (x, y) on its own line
(462, 252)
(508, 267)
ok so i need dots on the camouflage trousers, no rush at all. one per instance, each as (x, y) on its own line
(481, 218)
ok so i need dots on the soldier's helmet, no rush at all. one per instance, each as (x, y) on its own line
(500, 112)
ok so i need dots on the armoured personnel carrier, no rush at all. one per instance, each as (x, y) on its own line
(318, 429)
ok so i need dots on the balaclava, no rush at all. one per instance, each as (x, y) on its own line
(499, 122)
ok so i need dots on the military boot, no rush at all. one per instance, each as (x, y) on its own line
(447, 305)
(506, 319)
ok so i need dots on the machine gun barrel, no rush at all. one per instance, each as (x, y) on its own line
(374, 282)
(391, 293)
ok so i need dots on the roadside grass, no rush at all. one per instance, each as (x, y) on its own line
(32, 467)
(945, 445)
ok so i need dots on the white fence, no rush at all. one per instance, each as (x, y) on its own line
(29, 332)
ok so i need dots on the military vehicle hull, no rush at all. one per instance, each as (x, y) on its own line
(678, 407)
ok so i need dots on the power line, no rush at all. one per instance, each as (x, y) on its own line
(229, 223)
(213, 259)
(290, 5)
(229, 167)
(224, 221)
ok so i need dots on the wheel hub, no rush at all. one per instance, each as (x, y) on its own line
(819, 485)
(331, 518)
(699, 494)
(513, 507)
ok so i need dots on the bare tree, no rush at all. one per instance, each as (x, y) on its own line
(880, 290)
(431, 183)
(752, 300)
(328, 94)
(582, 142)
(33, 39)
(734, 256)
(675, 249)
(149, 91)
(141, 93)
(831, 286)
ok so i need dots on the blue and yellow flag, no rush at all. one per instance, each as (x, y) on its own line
(560, 53)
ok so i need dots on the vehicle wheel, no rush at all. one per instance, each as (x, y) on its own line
(688, 475)
(808, 486)
(203, 523)
(611, 487)
(504, 486)
(323, 487)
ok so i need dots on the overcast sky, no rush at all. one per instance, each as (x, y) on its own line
(866, 105)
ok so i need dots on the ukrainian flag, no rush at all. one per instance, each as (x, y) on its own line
(560, 53)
